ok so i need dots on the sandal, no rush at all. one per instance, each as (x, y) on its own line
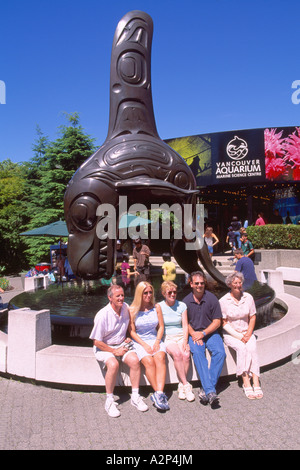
(249, 392)
(258, 392)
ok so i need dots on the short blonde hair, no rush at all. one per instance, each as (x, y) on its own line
(167, 285)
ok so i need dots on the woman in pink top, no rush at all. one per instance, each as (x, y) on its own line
(239, 315)
(260, 220)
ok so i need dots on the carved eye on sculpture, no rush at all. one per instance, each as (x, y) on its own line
(182, 180)
(132, 68)
(83, 212)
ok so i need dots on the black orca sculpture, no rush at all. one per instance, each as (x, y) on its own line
(133, 161)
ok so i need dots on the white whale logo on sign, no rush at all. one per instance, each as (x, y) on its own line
(237, 148)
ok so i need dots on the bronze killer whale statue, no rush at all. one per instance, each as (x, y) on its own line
(133, 161)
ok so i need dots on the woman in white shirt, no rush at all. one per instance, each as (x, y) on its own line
(239, 316)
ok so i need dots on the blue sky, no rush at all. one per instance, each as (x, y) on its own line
(217, 65)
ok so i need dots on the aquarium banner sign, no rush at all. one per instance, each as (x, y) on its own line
(238, 156)
(245, 156)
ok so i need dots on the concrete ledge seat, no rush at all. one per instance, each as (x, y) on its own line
(3, 351)
(36, 282)
(289, 274)
(27, 351)
(78, 365)
(66, 364)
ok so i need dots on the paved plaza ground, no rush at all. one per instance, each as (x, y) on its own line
(38, 417)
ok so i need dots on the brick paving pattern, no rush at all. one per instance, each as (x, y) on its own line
(37, 417)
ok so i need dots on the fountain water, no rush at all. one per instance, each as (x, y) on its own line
(73, 305)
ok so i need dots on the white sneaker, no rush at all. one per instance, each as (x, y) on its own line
(188, 390)
(181, 392)
(111, 408)
(139, 403)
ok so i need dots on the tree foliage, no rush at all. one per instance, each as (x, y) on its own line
(12, 183)
(32, 193)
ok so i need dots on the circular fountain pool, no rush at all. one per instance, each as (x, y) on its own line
(73, 305)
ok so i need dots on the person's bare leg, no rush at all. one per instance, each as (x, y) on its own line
(150, 369)
(134, 369)
(247, 386)
(161, 369)
(112, 368)
(179, 364)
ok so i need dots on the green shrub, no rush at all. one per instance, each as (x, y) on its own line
(275, 236)
(4, 283)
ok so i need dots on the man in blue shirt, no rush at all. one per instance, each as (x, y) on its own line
(245, 266)
(204, 317)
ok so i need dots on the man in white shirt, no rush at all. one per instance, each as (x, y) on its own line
(111, 345)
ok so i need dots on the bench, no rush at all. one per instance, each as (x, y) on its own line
(27, 351)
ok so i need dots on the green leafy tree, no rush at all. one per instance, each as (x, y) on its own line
(48, 175)
(12, 183)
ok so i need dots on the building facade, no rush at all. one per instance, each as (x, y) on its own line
(245, 173)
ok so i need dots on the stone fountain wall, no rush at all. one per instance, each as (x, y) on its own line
(27, 350)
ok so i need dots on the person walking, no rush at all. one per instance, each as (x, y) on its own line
(245, 265)
(236, 225)
(231, 238)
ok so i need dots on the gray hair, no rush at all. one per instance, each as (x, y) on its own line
(230, 278)
(112, 289)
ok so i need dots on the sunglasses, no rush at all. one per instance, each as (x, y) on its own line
(148, 292)
(170, 292)
(199, 283)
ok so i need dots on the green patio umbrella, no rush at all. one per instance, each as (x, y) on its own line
(56, 229)
(132, 220)
(59, 228)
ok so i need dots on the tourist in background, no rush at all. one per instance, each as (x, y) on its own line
(276, 217)
(288, 220)
(236, 225)
(147, 329)
(176, 336)
(260, 219)
(247, 246)
(119, 256)
(210, 239)
(245, 265)
(230, 239)
(168, 267)
(239, 316)
(141, 253)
